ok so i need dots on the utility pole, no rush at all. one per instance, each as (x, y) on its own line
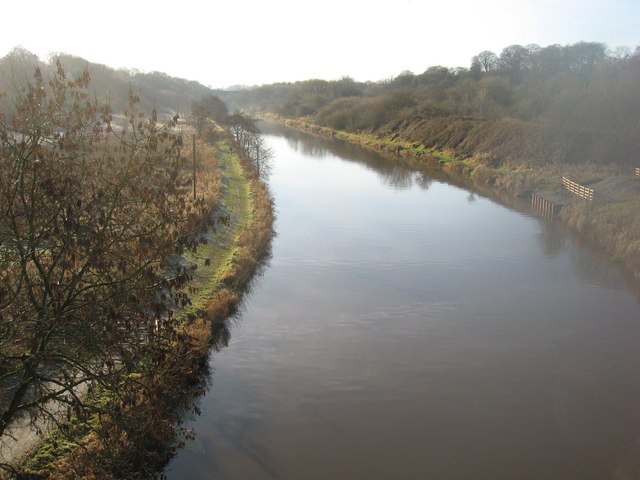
(194, 166)
(258, 157)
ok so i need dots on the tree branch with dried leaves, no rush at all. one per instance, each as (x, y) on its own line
(92, 212)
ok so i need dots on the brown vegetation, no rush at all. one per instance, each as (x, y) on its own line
(137, 365)
(92, 214)
(138, 436)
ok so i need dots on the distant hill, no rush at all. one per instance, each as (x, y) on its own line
(557, 104)
(168, 95)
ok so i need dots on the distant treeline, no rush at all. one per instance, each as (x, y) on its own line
(156, 90)
(577, 103)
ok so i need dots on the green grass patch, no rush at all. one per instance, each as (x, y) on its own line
(442, 157)
(216, 258)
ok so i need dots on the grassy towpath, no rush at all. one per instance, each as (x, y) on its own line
(215, 258)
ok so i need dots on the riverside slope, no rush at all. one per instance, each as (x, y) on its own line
(610, 224)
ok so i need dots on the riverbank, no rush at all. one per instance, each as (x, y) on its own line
(611, 222)
(137, 440)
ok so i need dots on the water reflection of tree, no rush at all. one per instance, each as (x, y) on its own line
(423, 181)
(586, 262)
(399, 178)
(221, 335)
(315, 149)
(596, 269)
(550, 239)
(390, 171)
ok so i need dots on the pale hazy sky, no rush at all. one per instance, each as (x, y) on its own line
(221, 43)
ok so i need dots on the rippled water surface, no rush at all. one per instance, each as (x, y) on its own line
(409, 329)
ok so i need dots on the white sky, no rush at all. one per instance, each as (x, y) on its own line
(222, 43)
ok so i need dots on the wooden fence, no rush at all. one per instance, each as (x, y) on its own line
(542, 207)
(579, 190)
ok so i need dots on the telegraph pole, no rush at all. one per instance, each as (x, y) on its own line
(194, 166)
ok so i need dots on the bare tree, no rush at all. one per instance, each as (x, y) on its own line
(513, 61)
(242, 130)
(260, 155)
(487, 60)
(208, 108)
(250, 143)
(90, 215)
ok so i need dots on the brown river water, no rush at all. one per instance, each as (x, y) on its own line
(406, 328)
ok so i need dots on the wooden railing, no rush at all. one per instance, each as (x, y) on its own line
(579, 190)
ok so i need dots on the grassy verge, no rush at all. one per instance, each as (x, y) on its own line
(140, 436)
(610, 224)
(218, 256)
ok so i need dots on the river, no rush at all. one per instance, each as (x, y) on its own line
(406, 328)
